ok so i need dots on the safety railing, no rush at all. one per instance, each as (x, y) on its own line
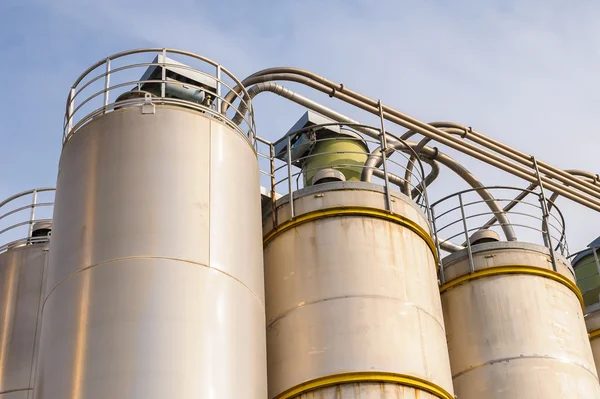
(20, 212)
(144, 77)
(530, 218)
(587, 272)
(349, 156)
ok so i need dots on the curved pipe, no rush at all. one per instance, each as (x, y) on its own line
(524, 170)
(589, 176)
(402, 183)
(328, 112)
(325, 111)
(374, 161)
(446, 126)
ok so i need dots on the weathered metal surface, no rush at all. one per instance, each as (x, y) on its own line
(516, 336)
(352, 294)
(155, 283)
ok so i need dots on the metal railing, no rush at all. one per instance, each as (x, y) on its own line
(97, 90)
(457, 216)
(20, 212)
(284, 175)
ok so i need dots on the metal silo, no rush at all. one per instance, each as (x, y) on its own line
(587, 269)
(23, 253)
(155, 279)
(513, 313)
(353, 307)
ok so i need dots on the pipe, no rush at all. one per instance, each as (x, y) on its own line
(572, 191)
(446, 126)
(590, 176)
(374, 160)
(301, 100)
(450, 246)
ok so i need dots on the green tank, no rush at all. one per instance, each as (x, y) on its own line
(345, 152)
(588, 279)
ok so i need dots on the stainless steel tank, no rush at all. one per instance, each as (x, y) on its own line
(353, 307)
(515, 326)
(155, 280)
(21, 278)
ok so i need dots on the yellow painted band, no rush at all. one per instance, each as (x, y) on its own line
(346, 378)
(515, 269)
(594, 334)
(353, 211)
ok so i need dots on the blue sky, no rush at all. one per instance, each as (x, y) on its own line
(524, 72)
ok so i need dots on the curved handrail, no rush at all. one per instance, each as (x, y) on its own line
(85, 92)
(19, 213)
(458, 215)
(287, 175)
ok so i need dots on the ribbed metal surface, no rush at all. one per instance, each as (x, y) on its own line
(352, 294)
(21, 275)
(520, 335)
(155, 283)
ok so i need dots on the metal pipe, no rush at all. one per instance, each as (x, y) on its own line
(591, 200)
(446, 126)
(340, 91)
(450, 246)
(592, 177)
(308, 103)
(427, 152)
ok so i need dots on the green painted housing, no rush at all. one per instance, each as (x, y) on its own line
(588, 279)
(347, 155)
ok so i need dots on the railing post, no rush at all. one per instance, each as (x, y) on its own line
(70, 111)
(106, 84)
(273, 195)
(464, 220)
(219, 101)
(437, 246)
(545, 214)
(163, 84)
(383, 143)
(289, 168)
(32, 213)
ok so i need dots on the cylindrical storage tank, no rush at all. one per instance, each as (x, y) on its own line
(353, 307)
(515, 326)
(21, 284)
(155, 282)
(587, 271)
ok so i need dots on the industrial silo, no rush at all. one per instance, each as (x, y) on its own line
(353, 307)
(23, 254)
(155, 279)
(513, 313)
(587, 269)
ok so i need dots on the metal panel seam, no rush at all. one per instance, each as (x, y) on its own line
(16, 390)
(287, 312)
(507, 359)
(152, 257)
(370, 376)
(515, 269)
(353, 211)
